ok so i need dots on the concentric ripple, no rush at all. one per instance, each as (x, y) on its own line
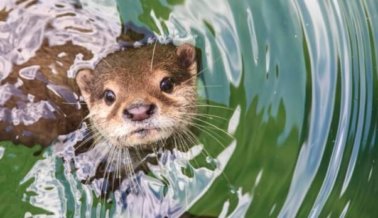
(295, 83)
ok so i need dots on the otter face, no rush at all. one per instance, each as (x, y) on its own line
(142, 95)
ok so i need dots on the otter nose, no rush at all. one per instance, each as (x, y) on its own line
(139, 112)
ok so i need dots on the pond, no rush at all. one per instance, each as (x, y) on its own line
(290, 87)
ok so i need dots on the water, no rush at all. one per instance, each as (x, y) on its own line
(300, 80)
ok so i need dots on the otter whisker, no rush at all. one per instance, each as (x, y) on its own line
(209, 155)
(126, 155)
(209, 133)
(213, 106)
(180, 143)
(119, 163)
(86, 140)
(111, 169)
(115, 165)
(190, 137)
(183, 137)
(214, 126)
(84, 119)
(209, 116)
(183, 142)
(102, 154)
(206, 68)
(156, 155)
(130, 170)
(202, 71)
(92, 134)
(213, 86)
(139, 156)
(108, 165)
(107, 63)
(153, 55)
(70, 103)
(175, 141)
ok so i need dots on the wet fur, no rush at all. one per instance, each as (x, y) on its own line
(67, 116)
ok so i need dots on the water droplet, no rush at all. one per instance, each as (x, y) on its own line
(233, 189)
(209, 159)
(2, 149)
(212, 161)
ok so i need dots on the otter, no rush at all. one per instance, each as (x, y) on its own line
(133, 97)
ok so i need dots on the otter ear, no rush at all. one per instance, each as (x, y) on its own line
(187, 55)
(84, 79)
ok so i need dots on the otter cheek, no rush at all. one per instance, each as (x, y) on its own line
(100, 119)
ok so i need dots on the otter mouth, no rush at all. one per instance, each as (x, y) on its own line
(144, 131)
(143, 136)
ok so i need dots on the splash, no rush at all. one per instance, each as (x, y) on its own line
(166, 191)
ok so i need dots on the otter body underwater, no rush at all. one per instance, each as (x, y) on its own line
(137, 97)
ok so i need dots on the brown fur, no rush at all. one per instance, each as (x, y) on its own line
(3, 15)
(67, 118)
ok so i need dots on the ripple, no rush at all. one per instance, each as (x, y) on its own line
(323, 90)
(335, 33)
(301, 79)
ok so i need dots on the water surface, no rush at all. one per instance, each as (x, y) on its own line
(299, 80)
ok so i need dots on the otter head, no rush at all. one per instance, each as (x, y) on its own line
(141, 96)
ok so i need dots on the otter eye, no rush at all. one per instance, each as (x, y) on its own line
(166, 84)
(109, 97)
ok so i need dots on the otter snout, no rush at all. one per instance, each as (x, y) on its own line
(139, 112)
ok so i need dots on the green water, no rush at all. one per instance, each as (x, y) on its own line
(305, 78)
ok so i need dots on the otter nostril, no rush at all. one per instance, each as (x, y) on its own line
(151, 109)
(127, 114)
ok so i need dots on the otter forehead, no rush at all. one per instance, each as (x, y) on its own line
(138, 66)
(137, 61)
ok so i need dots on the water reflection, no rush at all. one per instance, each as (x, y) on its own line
(300, 80)
(168, 191)
(330, 106)
(333, 39)
(27, 28)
